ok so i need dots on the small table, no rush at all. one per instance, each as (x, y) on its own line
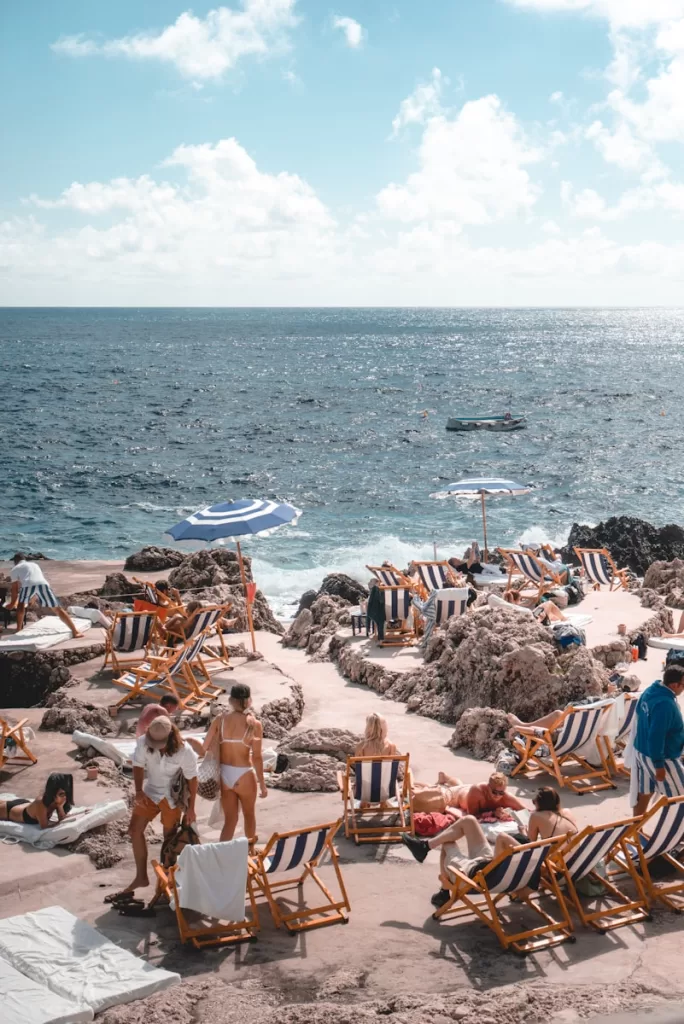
(359, 620)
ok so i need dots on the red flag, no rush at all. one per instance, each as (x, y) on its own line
(251, 592)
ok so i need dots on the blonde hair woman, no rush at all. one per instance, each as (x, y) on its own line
(375, 742)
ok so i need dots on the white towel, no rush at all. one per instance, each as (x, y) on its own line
(28, 1002)
(212, 879)
(613, 718)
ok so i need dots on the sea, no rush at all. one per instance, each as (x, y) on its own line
(117, 423)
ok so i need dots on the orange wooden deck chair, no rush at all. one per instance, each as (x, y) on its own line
(578, 856)
(614, 747)
(600, 569)
(370, 787)
(389, 576)
(130, 632)
(503, 877)
(533, 571)
(553, 751)
(170, 671)
(434, 576)
(14, 748)
(214, 650)
(659, 834)
(301, 851)
(211, 861)
(398, 607)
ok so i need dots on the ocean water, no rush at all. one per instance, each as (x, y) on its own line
(118, 422)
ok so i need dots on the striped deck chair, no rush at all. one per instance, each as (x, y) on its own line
(371, 786)
(576, 731)
(614, 747)
(578, 857)
(217, 933)
(535, 573)
(435, 575)
(660, 833)
(440, 606)
(398, 602)
(514, 869)
(206, 622)
(388, 576)
(150, 594)
(129, 632)
(600, 569)
(168, 672)
(301, 851)
(14, 748)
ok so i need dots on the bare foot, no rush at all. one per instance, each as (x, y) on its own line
(77, 636)
(514, 720)
(141, 882)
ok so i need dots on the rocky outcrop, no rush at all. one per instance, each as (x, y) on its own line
(633, 543)
(306, 600)
(666, 579)
(65, 714)
(27, 676)
(483, 731)
(618, 651)
(279, 716)
(313, 627)
(153, 559)
(338, 584)
(314, 758)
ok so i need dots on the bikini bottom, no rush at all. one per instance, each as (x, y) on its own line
(230, 774)
(28, 818)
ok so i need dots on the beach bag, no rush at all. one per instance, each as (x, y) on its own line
(209, 772)
(178, 838)
(567, 635)
(574, 590)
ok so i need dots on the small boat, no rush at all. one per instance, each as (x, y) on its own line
(499, 424)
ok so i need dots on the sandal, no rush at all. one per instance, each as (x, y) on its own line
(125, 896)
(136, 909)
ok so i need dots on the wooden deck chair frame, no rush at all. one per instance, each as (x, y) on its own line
(351, 814)
(611, 748)
(219, 934)
(402, 636)
(112, 654)
(624, 910)
(423, 588)
(531, 760)
(548, 578)
(476, 899)
(335, 910)
(15, 734)
(659, 891)
(220, 655)
(616, 574)
(402, 580)
(182, 684)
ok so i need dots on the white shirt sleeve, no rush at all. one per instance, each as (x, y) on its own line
(14, 575)
(189, 762)
(139, 758)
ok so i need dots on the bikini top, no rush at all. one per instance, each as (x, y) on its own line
(242, 740)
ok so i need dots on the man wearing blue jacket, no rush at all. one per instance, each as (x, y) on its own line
(659, 741)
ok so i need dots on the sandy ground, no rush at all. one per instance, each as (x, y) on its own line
(391, 947)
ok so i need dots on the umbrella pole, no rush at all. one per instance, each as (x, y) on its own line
(247, 604)
(484, 525)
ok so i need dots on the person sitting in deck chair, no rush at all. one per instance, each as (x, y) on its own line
(452, 792)
(375, 742)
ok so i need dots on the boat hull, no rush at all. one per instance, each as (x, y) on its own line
(499, 425)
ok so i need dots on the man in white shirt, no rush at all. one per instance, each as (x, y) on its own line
(29, 584)
(160, 754)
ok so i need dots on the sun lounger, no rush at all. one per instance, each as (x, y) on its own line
(170, 671)
(129, 632)
(370, 786)
(660, 833)
(435, 575)
(398, 602)
(215, 880)
(14, 748)
(578, 857)
(576, 732)
(388, 576)
(600, 569)
(535, 573)
(502, 877)
(301, 851)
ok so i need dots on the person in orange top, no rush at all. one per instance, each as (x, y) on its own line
(451, 792)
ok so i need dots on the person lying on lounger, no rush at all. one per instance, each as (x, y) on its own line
(547, 820)
(470, 562)
(546, 612)
(451, 792)
(57, 798)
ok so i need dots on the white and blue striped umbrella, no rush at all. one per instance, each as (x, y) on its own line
(478, 487)
(245, 517)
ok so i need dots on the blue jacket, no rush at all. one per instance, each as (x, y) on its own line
(659, 725)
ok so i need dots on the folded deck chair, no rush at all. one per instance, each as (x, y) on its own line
(435, 575)
(578, 857)
(129, 632)
(388, 575)
(216, 881)
(576, 733)
(613, 746)
(600, 569)
(398, 602)
(301, 851)
(169, 672)
(534, 571)
(660, 833)
(515, 869)
(371, 786)
(14, 748)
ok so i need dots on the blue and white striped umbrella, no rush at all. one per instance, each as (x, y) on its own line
(245, 517)
(478, 487)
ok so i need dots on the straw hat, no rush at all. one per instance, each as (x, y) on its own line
(158, 732)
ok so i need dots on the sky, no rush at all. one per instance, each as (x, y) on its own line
(360, 153)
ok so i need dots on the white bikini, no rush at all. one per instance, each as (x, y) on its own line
(231, 773)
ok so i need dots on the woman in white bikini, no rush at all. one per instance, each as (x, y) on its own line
(239, 738)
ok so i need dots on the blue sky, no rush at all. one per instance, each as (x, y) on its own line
(270, 152)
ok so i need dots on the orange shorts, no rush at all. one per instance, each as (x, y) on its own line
(148, 810)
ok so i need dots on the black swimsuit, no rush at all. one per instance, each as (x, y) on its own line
(28, 818)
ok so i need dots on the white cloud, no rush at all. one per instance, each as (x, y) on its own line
(588, 204)
(425, 101)
(353, 32)
(556, 97)
(472, 170)
(620, 13)
(200, 48)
